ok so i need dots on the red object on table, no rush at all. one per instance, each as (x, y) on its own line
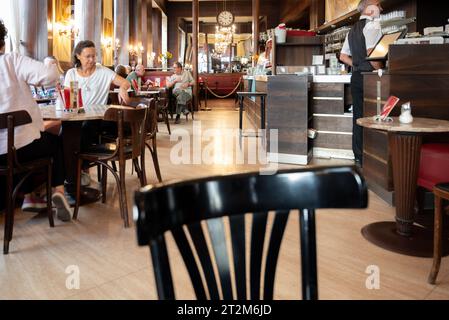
(434, 165)
(300, 33)
(67, 98)
(389, 106)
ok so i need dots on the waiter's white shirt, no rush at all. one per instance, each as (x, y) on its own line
(372, 33)
(17, 73)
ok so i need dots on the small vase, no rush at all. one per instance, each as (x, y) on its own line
(164, 64)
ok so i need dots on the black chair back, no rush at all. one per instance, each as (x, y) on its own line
(170, 207)
(9, 121)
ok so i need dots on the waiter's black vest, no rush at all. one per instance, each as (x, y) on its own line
(357, 43)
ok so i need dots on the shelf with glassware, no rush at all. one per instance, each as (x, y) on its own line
(296, 52)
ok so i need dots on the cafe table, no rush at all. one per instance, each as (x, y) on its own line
(405, 140)
(71, 136)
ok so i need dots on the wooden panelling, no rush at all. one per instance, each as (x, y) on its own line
(377, 171)
(332, 123)
(287, 112)
(434, 57)
(376, 144)
(333, 141)
(328, 106)
(328, 90)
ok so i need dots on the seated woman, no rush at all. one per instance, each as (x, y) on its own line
(95, 81)
(182, 83)
(18, 73)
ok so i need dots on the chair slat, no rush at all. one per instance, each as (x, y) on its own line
(308, 255)
(199, 241)
(218, 238)
(237, 224)
(161, 267)
(277, 234)
(192, 267)
(257, 243)
(20, 118)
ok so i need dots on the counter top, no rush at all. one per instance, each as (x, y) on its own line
(346, 78)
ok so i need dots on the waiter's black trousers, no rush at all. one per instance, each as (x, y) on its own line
(357, 100)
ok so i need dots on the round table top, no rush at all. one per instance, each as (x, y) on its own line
(419, 125)
(94, 112)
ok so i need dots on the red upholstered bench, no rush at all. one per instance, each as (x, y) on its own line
(434, 166)
(434, 176)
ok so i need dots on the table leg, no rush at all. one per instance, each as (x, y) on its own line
(405, 152)
(404, 236)
(71, 137)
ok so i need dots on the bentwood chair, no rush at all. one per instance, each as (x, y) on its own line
(122, 149)
(14, 168)
(151, 128)
(171, 207)
(163, 106)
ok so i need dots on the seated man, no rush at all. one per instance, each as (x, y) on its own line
(135, 78)
(182, 83)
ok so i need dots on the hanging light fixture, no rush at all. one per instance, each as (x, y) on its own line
(224, 32)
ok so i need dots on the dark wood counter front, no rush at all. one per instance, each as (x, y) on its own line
(427, 90)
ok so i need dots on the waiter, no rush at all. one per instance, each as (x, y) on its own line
(359, 43)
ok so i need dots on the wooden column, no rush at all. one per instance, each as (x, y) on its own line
(157, 32)
(121, 30)
(195, 33)
(91, 23)
(256, 14)
(149, 28)
(144, 31)
(34, 34)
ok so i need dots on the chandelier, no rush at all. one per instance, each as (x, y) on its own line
(223, 38)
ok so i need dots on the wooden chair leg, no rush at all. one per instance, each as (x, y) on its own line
(437, 245)
(9, 215)
(122, 191)
(167, 122)
(78, 189)
(104, 184)
(143, 181)
(49, 202)
(138, 169)
(114, 166)
(153, 151)
(99, 178)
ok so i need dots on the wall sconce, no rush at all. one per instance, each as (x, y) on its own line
(68, 29)
(106, 43)
(116, 50)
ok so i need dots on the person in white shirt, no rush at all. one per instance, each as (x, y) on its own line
(181, 82)
(95, 82)
(17, 73)
(93, 79)
(359, 43)
(265, 57)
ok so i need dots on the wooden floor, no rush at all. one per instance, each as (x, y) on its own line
(112, 266)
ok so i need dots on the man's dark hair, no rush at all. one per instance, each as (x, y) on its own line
(78, 49)
(3, 34)
(178, 64)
